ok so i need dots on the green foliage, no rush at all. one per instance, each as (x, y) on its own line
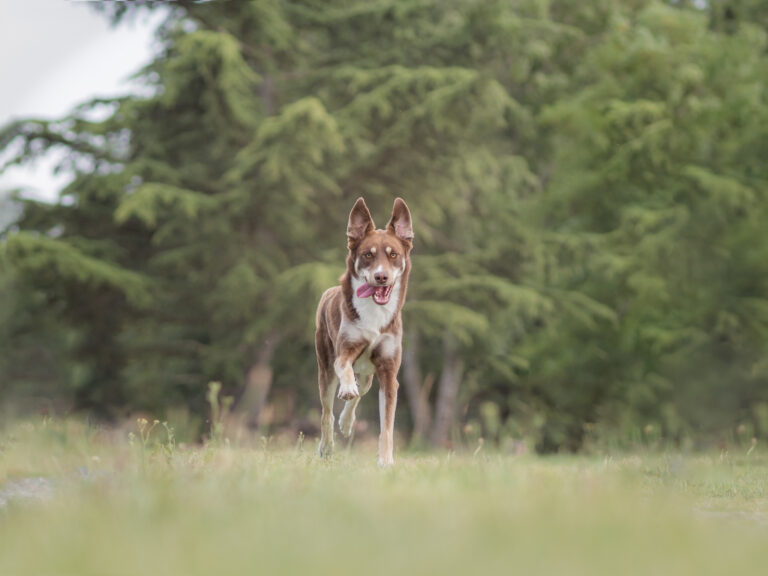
(149, 199)
(52, 259)
(587, 179)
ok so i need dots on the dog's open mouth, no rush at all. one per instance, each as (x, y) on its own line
(380, 294)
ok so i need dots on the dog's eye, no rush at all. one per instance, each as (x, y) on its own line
(367, 255)
(393, 255)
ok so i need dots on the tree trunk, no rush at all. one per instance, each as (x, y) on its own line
(258, 381)
(447, 392)
(416, 389)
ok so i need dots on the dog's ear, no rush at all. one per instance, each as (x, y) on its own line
(360, 223)
(400, 224)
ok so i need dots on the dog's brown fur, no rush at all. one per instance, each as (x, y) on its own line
(357, 337)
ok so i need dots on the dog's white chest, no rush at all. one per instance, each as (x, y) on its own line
(372, 318)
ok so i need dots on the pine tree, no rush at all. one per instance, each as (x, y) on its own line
(587, 181)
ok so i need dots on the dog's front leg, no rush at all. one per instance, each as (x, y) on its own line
(388, 386)
(348, 353)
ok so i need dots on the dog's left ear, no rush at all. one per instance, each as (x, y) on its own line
(400, 223)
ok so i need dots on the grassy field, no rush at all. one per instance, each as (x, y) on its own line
(79, 501)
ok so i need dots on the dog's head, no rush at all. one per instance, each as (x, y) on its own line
(379, 258)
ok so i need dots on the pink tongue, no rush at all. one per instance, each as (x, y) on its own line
(365, 291)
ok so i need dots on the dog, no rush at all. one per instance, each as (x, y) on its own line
(359, 328)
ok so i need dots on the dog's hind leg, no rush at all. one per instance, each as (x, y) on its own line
(347, 417)
(365, 386)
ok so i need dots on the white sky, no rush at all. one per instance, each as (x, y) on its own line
(55, 54)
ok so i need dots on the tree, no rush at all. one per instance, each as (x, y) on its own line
(587, 182)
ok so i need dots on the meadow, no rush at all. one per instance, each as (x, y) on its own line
(81, 500)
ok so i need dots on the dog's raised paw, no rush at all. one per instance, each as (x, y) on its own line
(348, 393)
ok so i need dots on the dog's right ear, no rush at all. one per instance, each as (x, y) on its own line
(360, 223)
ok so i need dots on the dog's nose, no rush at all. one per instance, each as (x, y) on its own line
(380, 277)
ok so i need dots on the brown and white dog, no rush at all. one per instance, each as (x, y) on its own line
(359, 329)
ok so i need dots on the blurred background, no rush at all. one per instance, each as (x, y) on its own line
(587, 180)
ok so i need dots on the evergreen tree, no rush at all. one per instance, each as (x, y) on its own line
(587, 182)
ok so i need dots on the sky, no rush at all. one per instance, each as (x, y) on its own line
(57, 54)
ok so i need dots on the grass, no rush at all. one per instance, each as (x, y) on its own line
(154, 508)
